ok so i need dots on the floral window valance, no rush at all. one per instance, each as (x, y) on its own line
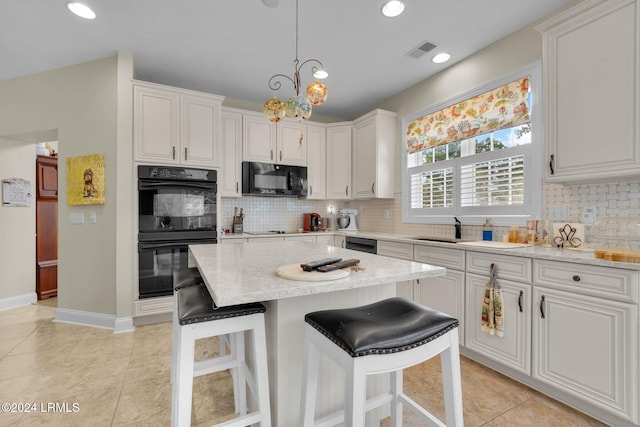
(499, 108)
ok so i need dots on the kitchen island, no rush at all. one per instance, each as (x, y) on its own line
(240, 273)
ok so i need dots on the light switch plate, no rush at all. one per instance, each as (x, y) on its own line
(558, 213)
(588, 215)
(76, 218)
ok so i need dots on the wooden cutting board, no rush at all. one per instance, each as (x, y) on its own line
(295, 272)
(618, 254)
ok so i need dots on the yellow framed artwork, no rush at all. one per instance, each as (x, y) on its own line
(85, 180)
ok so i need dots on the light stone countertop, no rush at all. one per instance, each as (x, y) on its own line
(535, 252)
(240, 273)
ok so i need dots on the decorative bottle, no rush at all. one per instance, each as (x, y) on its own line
(545, 234)
(487, 232)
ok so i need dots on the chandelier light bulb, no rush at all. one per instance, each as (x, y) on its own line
(274, 110)
(317, 93)
(320, 74)
(298, 107)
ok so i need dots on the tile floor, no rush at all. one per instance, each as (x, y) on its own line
(107, 379)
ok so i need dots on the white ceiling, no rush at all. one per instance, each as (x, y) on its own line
(232, 47)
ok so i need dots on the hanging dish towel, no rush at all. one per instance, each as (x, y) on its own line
(492, 320)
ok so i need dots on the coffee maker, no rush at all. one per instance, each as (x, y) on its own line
(311, 222)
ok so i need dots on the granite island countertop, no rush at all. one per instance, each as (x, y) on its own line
(246, 272)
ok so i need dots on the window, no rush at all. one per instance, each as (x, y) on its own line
(476, 156)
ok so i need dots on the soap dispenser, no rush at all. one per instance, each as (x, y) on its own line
(487, 231)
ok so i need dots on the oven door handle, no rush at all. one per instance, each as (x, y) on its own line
(153, 184)
(172, 244)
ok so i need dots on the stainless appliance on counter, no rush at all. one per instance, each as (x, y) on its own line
(176, 208)
(266, 179)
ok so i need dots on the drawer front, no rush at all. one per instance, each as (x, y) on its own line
(395, 249)
(606, 282)
(444, 257)
(508, 267)
(324, 240)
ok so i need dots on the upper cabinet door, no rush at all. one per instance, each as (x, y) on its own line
(259, 139)
(156, 126)
(230, 184)
(339, 162)
(316, 143)
(291, 144)
(374, 155)
(200, 131)
(591, 78)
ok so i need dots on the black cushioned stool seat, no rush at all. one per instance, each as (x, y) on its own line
(196, 305)
(384, 337)
(196, 317)
(387, 326)
(186, 277)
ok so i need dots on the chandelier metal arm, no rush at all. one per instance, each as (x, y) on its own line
(276, 85)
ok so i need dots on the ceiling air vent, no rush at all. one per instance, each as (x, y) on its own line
(421, 50)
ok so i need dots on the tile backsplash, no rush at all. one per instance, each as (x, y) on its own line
(385, 215)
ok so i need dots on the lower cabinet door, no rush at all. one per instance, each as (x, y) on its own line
(514, 348)
(583, 347)
(446, 294)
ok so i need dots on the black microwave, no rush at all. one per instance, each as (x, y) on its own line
(266, 179)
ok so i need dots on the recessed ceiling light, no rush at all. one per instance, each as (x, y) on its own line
(440, 58)
(81, 10)
(392, 8)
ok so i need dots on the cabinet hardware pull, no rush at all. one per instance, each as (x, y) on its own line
(346, 191)
(237, 186)
(551, 158)
(173, 152)
(542, 306)
(271, 156)
(373, 186)
(576, 278)
(520, 300)
(311, 190)
(280, 155)
(185, 153)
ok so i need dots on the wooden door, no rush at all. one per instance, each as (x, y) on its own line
(46, 227)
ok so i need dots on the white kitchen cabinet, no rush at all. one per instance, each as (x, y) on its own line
(316, 162)
(325, 240)
(339, 241)
(339, 161)
(445, 293)
(374, 148)
(268, 142)
(592, 91)
(514, 348)
(585, 334)
(406, 288)
(230, 177)
(176, 126)
(311, 238)
(514, 276)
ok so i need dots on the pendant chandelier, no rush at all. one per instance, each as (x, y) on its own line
(298, 106)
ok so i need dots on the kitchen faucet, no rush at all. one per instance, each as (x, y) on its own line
(458, 228)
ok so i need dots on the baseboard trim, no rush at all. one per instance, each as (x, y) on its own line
(95, 320)
(18, 301)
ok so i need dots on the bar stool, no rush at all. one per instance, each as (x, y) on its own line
(197, 317)
(386, 336)
(190, 277)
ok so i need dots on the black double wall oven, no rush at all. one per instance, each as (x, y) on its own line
(176, 208)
